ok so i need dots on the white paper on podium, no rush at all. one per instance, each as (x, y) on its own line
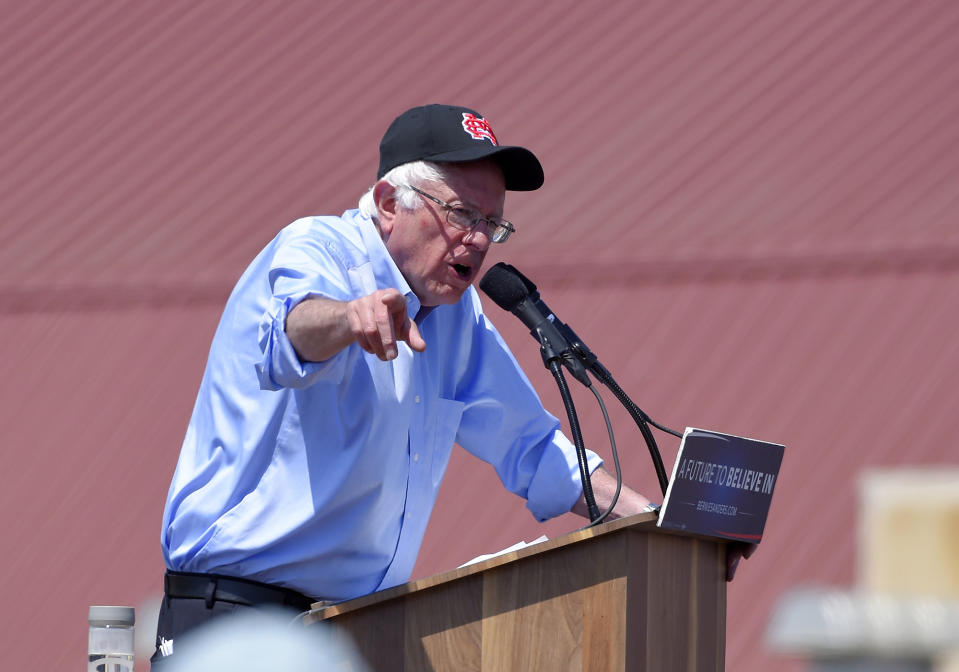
(515, 547)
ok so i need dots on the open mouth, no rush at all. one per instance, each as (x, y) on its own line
(463, 271)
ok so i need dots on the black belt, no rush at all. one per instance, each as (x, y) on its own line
(217, 588)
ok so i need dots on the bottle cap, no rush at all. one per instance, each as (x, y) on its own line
(103, 616)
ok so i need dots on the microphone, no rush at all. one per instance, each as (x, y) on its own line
(511, 290)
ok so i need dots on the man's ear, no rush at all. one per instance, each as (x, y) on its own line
(384, 195)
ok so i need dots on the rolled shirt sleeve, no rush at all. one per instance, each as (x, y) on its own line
(300, 267)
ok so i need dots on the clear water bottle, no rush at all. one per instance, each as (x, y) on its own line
(111, 639)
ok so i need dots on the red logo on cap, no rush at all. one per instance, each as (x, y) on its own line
(478, 128)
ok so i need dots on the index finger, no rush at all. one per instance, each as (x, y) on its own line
(390, 307)
(409, 331)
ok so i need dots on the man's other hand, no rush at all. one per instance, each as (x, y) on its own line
(735, 552)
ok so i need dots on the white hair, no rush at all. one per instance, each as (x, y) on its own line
(401, 177)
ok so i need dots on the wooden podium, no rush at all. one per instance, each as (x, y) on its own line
(622, 596)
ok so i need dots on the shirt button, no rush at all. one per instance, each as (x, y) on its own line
(416, 457)
(416, 399)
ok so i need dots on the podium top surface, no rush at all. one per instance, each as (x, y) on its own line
(644, 522)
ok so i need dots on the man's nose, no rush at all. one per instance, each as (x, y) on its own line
(478, 237)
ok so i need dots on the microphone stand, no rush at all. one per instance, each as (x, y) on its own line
(512, 291)
(551, 359)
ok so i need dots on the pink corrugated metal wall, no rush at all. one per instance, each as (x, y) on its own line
(750, 215)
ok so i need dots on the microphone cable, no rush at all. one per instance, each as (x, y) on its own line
(641, 419)
(556, 369)
(595, 517)
(612, 446)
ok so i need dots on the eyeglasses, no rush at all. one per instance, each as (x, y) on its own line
(497, 228)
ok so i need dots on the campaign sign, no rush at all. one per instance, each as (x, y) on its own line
(722, 486)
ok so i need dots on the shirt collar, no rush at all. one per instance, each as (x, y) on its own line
(385, 270)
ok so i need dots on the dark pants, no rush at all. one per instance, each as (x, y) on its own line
(191, 600)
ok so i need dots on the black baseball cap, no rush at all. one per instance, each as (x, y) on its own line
(451, 134)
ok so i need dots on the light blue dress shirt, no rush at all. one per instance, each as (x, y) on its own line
(321, 476)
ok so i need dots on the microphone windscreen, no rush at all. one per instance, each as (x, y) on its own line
(505, 286)
(530, 287)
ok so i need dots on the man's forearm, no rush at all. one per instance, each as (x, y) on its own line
(318, 329)
(604, 487)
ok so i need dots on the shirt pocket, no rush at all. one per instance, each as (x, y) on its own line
(445, 421)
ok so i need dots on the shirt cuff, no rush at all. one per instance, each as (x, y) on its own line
(557, 486)
(280, 366)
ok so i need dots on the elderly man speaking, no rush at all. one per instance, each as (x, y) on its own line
(351, 356)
